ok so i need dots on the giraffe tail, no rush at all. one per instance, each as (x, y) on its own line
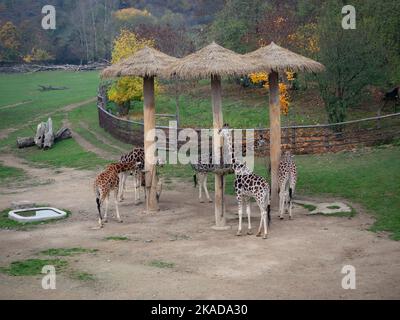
(269, 206)
(269, 214)
(195, 180)
(98, 202)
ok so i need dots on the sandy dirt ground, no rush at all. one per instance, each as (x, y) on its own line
(302, 259)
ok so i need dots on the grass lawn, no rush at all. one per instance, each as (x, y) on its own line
(10, 174)
(18, 88)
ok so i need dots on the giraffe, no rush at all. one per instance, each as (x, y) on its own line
(201, 175)
(248, 185)
(137, 156)
(108, 181)
(287, 178)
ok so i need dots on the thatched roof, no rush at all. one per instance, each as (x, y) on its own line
(276, 58)
(145, 62)
(212, 60)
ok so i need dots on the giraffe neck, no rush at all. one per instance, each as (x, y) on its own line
(239, 168)
(231, 151)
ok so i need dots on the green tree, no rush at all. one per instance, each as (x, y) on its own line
(235, 24)
(353, 58)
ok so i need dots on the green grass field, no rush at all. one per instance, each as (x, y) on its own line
(24, 89)
(369, 177)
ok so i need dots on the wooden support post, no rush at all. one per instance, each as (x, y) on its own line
(149, 145)
(220, 221)
(275, 135)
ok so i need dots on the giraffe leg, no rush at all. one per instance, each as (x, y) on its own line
(106, 200)
(239, 233)
(122, 183)
(264, 219)
(291, 191)
(281, 203)
(206, 189)
(261, 221)
(201, 178)
(116, 206)
(248, 209)
(137, 183)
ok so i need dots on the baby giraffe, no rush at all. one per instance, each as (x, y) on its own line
(108, 181)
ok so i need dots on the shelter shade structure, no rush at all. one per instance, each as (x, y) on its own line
(146, 63)
(275, 59)
(213, 62)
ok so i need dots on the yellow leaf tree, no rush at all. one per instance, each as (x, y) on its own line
(127, 89)
(284, 98)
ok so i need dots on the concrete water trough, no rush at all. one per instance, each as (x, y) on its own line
(30, 215)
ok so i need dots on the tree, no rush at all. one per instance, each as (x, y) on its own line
(352, 58)
(38, 55)
(236, 23)
(127, 89)
(9, 42)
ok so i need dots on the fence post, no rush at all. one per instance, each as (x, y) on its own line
(293, 140)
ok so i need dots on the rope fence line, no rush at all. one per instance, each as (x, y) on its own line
(306, 139)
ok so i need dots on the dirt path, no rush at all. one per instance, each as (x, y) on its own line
(301, 259)
(15, 105)
(6, 132)
(102, 138)
(88, 146)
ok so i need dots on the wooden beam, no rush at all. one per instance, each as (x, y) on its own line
(218, 122)
(149, 144)
(275, 135)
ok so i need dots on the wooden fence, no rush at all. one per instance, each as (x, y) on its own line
(312, 139)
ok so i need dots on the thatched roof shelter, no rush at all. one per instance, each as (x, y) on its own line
(147, 62)
(276, 58)
(212, 60)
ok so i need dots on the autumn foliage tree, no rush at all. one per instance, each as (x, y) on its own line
(9, 42)
(284, 97)
(127, 89)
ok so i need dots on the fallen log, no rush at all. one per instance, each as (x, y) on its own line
(51, 88)
(25, 142)
(63, 134)
(44, 138)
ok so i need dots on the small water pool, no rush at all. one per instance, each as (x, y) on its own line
(36, 215)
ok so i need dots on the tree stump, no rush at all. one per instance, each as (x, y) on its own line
(45, 137)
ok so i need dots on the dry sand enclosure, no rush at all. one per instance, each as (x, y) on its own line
(175, 254)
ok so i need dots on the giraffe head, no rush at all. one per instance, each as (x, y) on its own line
(241, 169)
(225, 131)
(287, 156)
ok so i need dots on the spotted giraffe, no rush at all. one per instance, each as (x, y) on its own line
(247, 186)
(201, 175)
(287, 178)
(108, 181)
(135, 156)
